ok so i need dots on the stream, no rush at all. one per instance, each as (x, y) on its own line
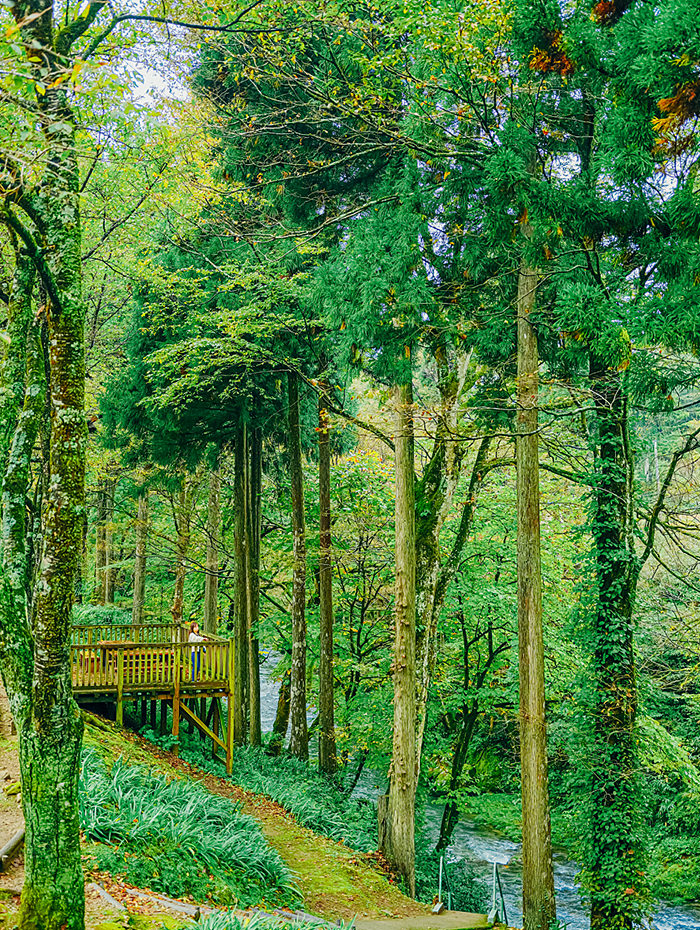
(482, 847)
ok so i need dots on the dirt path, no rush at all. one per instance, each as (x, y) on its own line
(335, 881)
(11, 818)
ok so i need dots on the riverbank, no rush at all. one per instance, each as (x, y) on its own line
(490, 831)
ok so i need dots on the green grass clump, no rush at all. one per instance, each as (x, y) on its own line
(263, 922)
(315, 800)
(175, 837)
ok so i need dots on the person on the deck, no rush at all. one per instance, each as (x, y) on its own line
(195, 637)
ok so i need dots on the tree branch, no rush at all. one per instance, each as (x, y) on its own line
(689, 445)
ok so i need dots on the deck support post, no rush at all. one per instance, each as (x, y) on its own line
(163, 716)
(176, 700)
(120, 687)
(230, 714)
(153, 714)
(216, 722)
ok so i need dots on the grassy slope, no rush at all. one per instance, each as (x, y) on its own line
(334, 880)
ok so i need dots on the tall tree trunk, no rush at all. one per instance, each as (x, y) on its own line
(399, 835)
(435, 493)
(213, 533)
(299, 736)
(100, 543)
(139, 601)
(240, 630)
(281, 724)
(327, 761)
(183, 528)
(109, 569)
(539, 909)
(49, 722)
(615, 851)
(253, 537)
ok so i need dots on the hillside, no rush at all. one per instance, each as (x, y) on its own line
(334, 881)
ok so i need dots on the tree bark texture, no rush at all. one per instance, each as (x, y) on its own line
(327, 761)
(299, 736)
(139, 600)
(46, 218)
(109, 574)
(281, 724)
(539, 909)
(400, 832)
(254, 518)
(213, 534)
(183, 528)
(435, 493)
(100, 550)
(240, 603)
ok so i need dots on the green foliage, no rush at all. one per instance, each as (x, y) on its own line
(99, 614)
(314, 799)
(263, 922)
(175, 837)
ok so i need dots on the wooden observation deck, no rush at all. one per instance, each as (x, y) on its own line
(154, 662)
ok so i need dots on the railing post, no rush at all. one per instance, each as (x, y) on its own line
(120, 687)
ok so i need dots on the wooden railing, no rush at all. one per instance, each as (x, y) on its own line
(119, 657)
(86, 634)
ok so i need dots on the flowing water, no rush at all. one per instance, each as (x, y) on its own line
(482, 847)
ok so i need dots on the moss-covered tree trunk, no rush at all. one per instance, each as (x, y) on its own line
(37, 678)
(399, 832)
(299, 736)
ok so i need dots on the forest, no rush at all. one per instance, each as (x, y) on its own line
(350, 431)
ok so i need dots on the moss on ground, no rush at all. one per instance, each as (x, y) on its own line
(335, 881)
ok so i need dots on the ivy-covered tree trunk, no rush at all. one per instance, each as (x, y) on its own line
(299, 736)
(614, 852)
(213, 533)
(139, 600)
(539, 909)
(399, 832)
(327, 761)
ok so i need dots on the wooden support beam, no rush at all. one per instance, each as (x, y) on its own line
(215, 721)
(200, 724)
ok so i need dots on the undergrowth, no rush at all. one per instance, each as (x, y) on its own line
(262, 922)
(318, 803)
(175, 837)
